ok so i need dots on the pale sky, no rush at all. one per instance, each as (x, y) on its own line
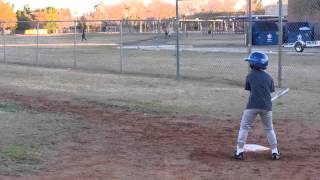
(78, 7)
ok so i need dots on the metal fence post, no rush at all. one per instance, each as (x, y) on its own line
(121, 44)
(74, 45)
(37, 50)
(250, 27)
(177, 33)
(280, 45)
(4, 44)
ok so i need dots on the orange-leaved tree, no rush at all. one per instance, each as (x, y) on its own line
(49, 14)
(65, 15)
(7, 15)
(160, 10)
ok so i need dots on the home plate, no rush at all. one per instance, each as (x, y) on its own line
(255, 148)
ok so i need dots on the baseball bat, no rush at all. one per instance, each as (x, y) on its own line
(279, 94)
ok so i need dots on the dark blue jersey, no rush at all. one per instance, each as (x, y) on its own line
(260, 84)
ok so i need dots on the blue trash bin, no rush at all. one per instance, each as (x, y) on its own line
(264, 33)
(297, 31)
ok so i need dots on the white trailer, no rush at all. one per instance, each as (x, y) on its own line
(299, 46)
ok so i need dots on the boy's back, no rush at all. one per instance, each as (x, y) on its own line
(260, 84)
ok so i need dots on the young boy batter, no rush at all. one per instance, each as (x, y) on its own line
(260, 84)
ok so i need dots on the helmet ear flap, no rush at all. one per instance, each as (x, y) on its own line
(252, 66)
(255, 67)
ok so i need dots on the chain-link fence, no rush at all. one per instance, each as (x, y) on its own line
(301, 33)
(210, 48)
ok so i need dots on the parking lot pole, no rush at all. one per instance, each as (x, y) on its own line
(249, 26)
(37, 50)
(177, 34)
(280, 45)
(4, 44)
(74, 45)
(249, 30)
(121, 48)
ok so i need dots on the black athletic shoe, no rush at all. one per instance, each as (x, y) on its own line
(239, 156)
(276, 156)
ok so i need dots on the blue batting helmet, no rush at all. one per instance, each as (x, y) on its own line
(258, 60)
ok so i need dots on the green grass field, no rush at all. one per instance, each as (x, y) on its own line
(101, 52)
(222, 69)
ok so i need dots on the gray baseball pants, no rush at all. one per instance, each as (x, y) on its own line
(248, 117)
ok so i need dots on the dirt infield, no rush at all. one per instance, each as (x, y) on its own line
(122, 144)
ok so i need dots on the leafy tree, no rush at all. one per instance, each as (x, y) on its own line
(160, 10)
(7, 14)
(65, 15)
(117, 11)
(103, 11)
(24, 15)
(133, 9)
(187, 8)
(81, 24)
(48, 14)
(99, 12)
(258, 7)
